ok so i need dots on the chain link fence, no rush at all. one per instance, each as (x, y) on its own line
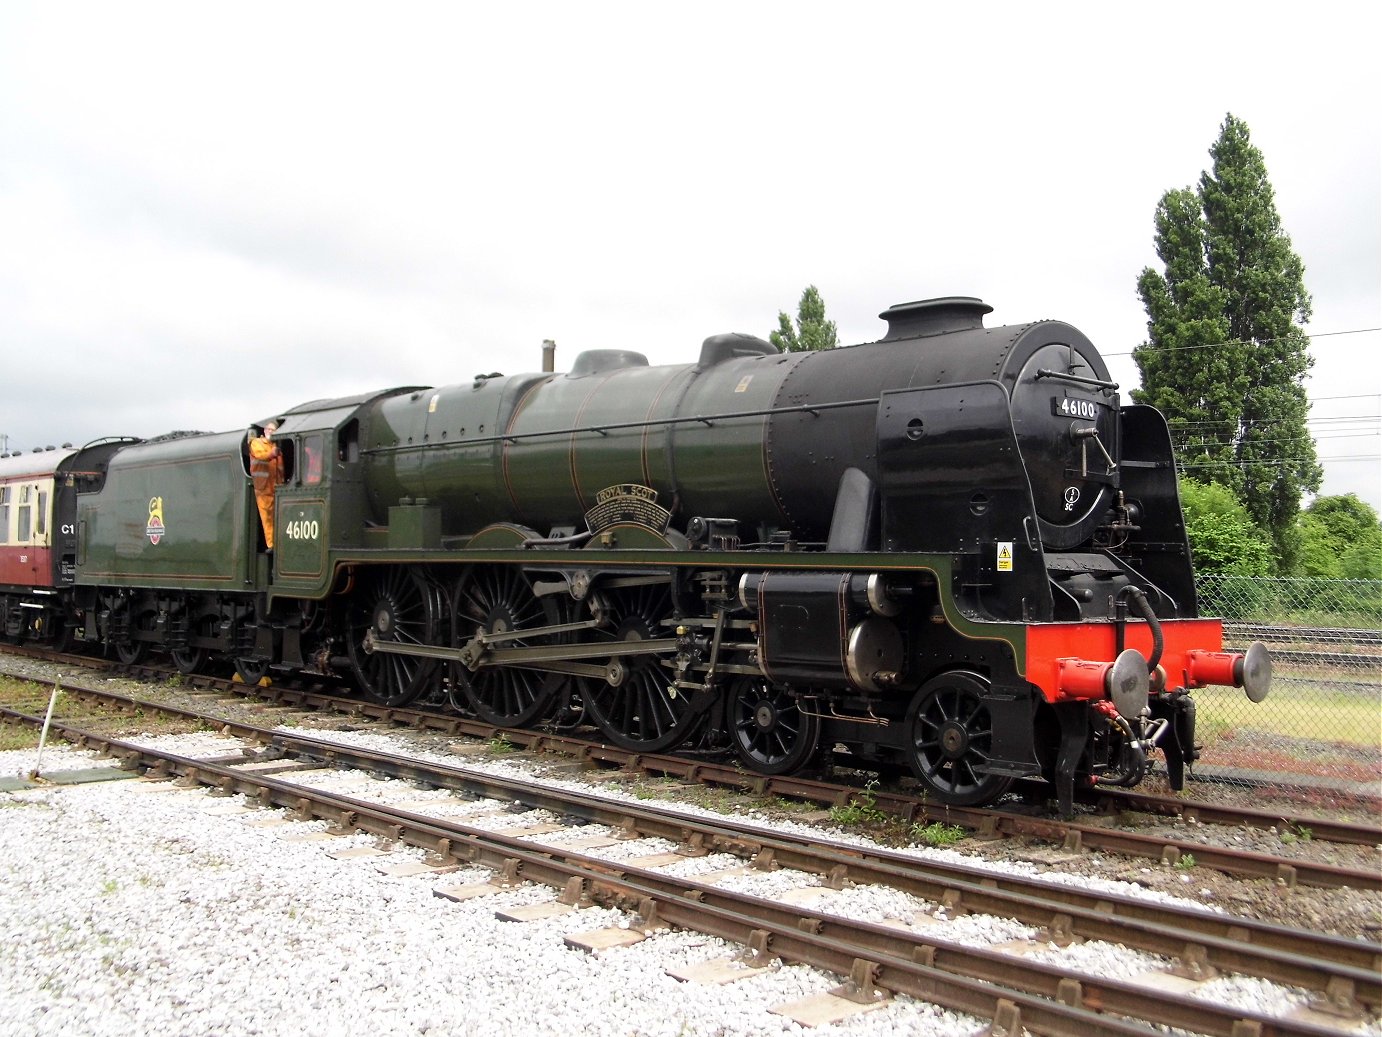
(1318, 736)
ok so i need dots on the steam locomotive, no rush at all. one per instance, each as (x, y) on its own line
(951, 550)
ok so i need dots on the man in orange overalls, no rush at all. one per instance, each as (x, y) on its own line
(266, 469)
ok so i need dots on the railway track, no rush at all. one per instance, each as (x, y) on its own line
(1089, 834)
(1246, 632)
(879, 959)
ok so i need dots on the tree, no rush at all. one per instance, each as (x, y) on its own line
(1341, 538)
(1223, 538)
(812, 332)
(1227, 354)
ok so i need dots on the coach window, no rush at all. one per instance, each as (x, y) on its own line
(41, 523)
(312, 459)
(25, 515)
(4, 514)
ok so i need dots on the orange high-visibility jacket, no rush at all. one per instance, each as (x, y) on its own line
(266, 470)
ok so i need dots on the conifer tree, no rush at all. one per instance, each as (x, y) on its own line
(813, 331)
(1227, 354)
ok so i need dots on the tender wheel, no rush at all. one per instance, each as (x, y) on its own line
(771, 734)
(643, 711)
(188, 660)
(950, 734)
(131, 652)
(62, 635)
(493, 599)
(251, 671)
(397, 605)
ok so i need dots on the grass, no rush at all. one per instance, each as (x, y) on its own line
(13, 737)
(1294, 711)
(24, 697)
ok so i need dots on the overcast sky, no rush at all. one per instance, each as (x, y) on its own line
(209, 213)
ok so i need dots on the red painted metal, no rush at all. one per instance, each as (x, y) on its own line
(1081, 679)
(1215, 667)
(1059, 653)
(22, 566)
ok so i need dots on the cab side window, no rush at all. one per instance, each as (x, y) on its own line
(312, 459)
(289, 456)
(348, 442)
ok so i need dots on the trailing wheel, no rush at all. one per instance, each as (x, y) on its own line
(771, 732)
(638, 707)
(493, 599)
(399, 605)
(950, 739)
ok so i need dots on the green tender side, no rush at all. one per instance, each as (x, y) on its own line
(178, 514)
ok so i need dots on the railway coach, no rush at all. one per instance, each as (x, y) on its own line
(38, 535)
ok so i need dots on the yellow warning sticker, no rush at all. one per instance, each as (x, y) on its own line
(1005, 556)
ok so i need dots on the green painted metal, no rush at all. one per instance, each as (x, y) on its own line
(300, 539)
(500, 546)
(537, 449)
(150, 524)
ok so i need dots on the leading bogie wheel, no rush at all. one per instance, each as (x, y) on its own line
(770, 729)
(950, 739)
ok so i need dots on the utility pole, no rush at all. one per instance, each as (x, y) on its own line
(4, 443)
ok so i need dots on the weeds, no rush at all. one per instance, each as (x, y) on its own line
(862, 808)
(937, 834)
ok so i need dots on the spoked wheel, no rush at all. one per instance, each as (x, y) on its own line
(398, 605)
(950, 735)
(492, 599)
(644, 711)
(188, 660)
(771, 733)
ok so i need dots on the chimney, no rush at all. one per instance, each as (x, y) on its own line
(934, 316)
(549, 355)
